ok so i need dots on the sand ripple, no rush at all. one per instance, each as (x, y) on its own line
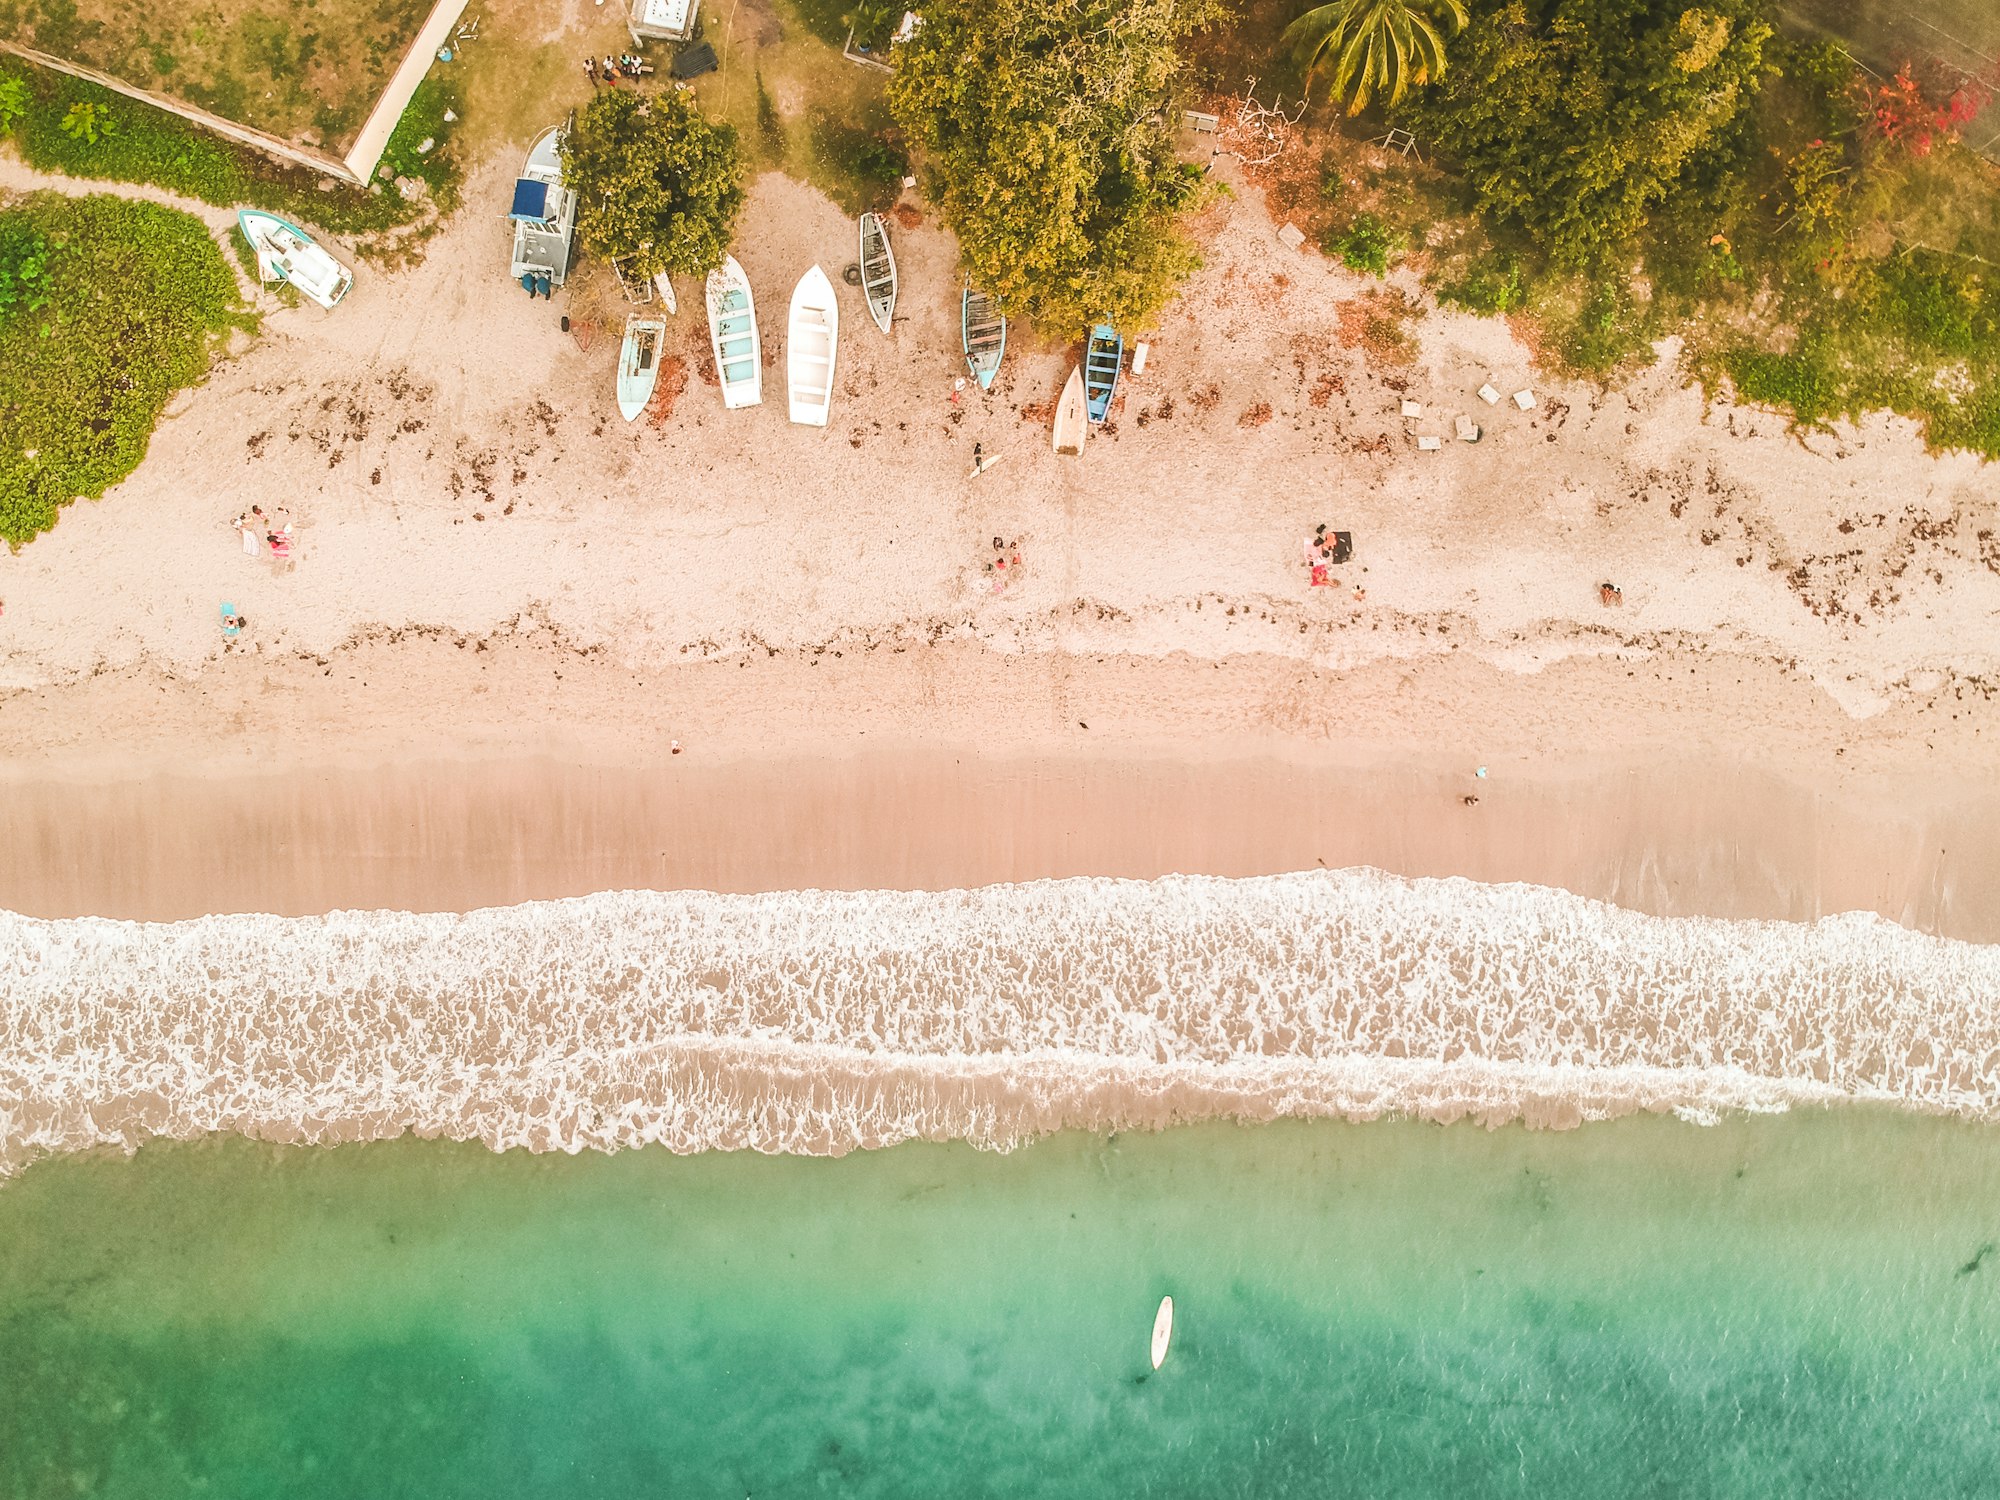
(816, 1021)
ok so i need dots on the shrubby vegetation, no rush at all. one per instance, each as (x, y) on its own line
(1047, 131)
(107, 308)
(657, 183)
(126, 141)
(1622, 170)
(1572, 119)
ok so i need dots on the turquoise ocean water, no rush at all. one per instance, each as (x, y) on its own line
(1805, 1305)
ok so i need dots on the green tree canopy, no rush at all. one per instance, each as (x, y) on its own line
(1375, 47)
(1046, 128)
(655, 181)
(1573, 118)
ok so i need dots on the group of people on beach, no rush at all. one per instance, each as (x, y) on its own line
(613, 71)
(1324, 550)
(261, 529)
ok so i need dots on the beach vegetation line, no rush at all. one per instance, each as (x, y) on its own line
(108, 307)
(1612, 173)
(134, 143)
(1045, 129)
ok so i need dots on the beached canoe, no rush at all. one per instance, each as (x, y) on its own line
(1163, 1331)
(1102, 358)
(983, 331)
(1071, 423)
(665, 285)
(732, 328)
(639, 364)
(812, 338)
(878, 270)
(287, 253)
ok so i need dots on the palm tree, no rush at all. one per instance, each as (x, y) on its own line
(1375, 46)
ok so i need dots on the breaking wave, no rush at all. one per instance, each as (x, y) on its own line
(822, 1021)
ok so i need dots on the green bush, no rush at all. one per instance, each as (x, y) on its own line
(134, 299)
(1939, 305)
(1365, 244)
(1802, 380)
(1487, 286)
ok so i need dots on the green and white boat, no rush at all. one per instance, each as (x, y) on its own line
(287, 253)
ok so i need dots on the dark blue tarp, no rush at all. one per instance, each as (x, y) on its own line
(531, 201)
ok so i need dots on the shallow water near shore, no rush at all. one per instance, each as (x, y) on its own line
(1797, 1304)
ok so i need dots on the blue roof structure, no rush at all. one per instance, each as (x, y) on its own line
(531, 202)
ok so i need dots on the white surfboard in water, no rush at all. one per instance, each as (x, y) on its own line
(1163, 1331)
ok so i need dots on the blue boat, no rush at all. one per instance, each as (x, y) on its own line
(1102, 359)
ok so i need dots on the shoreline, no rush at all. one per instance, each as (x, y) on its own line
(1695, 839)
(822, 1022)
(379, 781)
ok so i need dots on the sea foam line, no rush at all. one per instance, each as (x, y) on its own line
(822, 1021)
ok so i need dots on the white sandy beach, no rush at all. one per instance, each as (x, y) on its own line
(508, 606)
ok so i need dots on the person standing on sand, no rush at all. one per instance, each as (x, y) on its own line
(590, 70)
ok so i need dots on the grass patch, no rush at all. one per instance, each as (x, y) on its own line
(308, 75)
(860, 169)
(137, 300)
(137, 143)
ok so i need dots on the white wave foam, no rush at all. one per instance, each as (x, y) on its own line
(819, 1021)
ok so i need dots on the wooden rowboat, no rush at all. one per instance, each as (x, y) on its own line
(1102, 358)
(1071, 423)
(878, 270)
(983, 331)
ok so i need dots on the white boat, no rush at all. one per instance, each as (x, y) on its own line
(732, 328)
(1163, 1331)
(665, 285)
(1072, 418)
(812, 338)
(287, 253)
(878, 270)
(639, 364)
(544, 215)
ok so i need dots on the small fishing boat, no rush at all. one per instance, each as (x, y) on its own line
(287, 253)
(878, 270)
(983, 330)
(1071, 423)
(544, 217)
(812, 338)
(639, 364)
(665, 284)
(732, 327)
(1163, 1331)
(1102, 357)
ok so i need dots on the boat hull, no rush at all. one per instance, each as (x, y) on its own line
(639, 365)
(812, 346)
(1071, 421)
(878, 270)
(287, 253)
(732, 328)
(983, 334)
(1103, 357)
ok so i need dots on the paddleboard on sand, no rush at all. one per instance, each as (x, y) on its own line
(1163, 1331)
